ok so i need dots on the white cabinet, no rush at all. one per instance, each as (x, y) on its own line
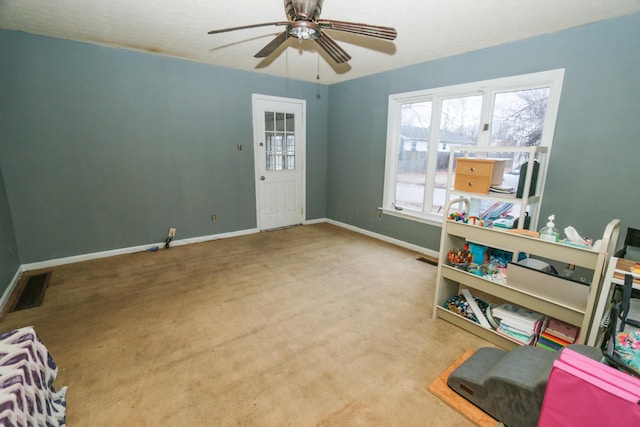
(532, 179)
(450, 281)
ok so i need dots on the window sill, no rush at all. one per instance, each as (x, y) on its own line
(434, 220)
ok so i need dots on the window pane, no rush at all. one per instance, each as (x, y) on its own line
(518, 117)
(268, 120)
(291, 142)
(518, 121)
(280, 122)
(291, 164)
(269, 139)
(459, 125)
(415, 124)
(460, 121)
(280, 141)
(271, 162)
(290, 123)
(274, 151)
(277, 146)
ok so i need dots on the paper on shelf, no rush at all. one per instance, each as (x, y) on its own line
(476, 310)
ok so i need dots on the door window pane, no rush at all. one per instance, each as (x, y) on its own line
(280, 122)
(280, 130)
(290, 123)
(269, 121)
(291, 158)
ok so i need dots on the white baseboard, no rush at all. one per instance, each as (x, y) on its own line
(397, 242)
(129, 250)
(314, 221)
(213, 237)
(9, 291)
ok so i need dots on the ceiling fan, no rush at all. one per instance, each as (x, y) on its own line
(304, 23)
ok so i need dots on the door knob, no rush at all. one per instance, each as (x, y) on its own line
(262, 178)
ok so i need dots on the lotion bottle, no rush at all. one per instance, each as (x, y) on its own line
(549, 233)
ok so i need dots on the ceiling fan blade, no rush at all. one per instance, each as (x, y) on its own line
(273, 45)
(331, 47)
(387, 33)
(244, 27)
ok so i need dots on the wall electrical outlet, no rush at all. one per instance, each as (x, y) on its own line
(172, 232)
(214, 217)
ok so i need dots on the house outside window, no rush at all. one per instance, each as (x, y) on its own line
(515, 111)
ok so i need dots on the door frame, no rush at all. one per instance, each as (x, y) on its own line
(301, 150)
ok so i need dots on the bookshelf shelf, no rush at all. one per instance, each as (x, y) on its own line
(523, 290)
(515, 295)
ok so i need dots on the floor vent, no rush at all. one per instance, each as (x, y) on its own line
(32, 291)
(431, 261)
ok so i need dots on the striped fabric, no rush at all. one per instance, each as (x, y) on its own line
(27, 372)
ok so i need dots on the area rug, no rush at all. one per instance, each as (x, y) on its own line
(32, 292)
(440, 388)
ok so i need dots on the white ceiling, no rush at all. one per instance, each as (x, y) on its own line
(427, 29)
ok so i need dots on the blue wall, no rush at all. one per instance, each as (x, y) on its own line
(9, 260)
(593, 169)
(104, 148)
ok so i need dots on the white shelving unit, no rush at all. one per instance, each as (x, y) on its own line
(533, 201)
(450, 281)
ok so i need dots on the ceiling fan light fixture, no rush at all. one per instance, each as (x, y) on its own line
(304, 30)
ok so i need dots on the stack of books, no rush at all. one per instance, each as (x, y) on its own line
(518, 324)
(557, 335)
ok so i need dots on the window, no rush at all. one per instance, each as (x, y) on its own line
(280, 127)
(423, 125)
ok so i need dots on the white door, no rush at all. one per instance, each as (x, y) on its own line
(279, 147)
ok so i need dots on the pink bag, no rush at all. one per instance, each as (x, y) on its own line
(583, 392)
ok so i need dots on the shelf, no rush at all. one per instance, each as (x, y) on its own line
(566, 313)
(503, 198)
(512, 242)
(473, 327)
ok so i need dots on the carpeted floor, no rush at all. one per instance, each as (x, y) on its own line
(307, 326)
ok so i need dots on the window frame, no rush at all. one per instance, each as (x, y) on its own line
(488, 89)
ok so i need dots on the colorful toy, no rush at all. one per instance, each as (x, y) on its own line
(474, 220)
(457, 216)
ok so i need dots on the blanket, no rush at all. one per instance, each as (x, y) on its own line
(27, 373)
